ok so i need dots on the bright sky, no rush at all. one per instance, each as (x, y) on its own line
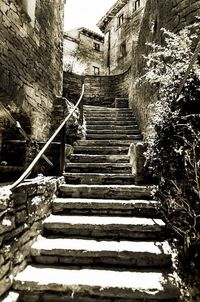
(85, 13)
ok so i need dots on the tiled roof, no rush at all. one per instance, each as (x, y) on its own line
(91, 33)
(112, 12)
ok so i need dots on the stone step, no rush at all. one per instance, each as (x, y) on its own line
(94, 254)
(99, 178)
(38, 283)
(103, 207)
(114, 150)
(106, 142)
(105, 109)
(111, 119)
(99, 168)
(85, 158)
(114, 136)
(110, 127)
(112, 131)
(105, 191)
(111, 123)
(109, 114)
(104, 227)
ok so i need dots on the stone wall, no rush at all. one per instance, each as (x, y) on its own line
(99, 90)
(31, 60)
(21, 215)
(172, 15)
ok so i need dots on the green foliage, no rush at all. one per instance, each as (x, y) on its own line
(173, 155)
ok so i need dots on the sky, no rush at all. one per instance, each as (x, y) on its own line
(85, 13)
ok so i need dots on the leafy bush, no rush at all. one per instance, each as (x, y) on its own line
(173, 154)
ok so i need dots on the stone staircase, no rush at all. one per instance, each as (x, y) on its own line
(104, 240)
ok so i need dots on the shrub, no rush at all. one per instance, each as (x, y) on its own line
(173, 154)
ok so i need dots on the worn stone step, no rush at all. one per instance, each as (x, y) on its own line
(110, 119)
(109, 254)
(106, 142)
(110, 122)
(113, 131)
(111, 127)
(99, 178)
(109, 114)
(99, 167)
(105, 191)
(81, 206)
(101, 108)
(104, 227)
(114, 150)
(115, 136)
(57, 284)
(85, 158)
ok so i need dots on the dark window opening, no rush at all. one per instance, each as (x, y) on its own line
(96, 46)
(123, 49)
(137, 4)
(96, 70)
(120, 19)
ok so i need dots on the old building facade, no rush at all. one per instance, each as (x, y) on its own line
(31, 60)
(83, 52)
(31, 35)
(120, 26)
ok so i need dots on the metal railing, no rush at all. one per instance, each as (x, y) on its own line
(41, 153)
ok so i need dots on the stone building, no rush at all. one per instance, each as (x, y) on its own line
(174, 16)
(83, 52)
(128, 26)
(120, 26)
(31, 35)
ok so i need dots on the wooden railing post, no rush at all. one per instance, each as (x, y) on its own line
(40, 154)
(63, 150)
(81, 103)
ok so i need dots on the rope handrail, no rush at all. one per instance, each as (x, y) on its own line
(33, 163)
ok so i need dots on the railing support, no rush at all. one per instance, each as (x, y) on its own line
(32, 165)
(63, 150)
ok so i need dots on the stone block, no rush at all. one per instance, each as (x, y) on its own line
(137, 160)
(21, 217)
(7, 224)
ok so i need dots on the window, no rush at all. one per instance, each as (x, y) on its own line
(137, 4)
(123, 49)
(96, 46)
(96, 70)
(120, 19)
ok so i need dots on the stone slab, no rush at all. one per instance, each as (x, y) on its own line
(105, 191)
(114, 136)
(137, 208)
(99, 167)
(110, 253)
(101, 150)
(99, 283)
(113, 142)
(99, 178)
(104, 227)
(85, 158)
